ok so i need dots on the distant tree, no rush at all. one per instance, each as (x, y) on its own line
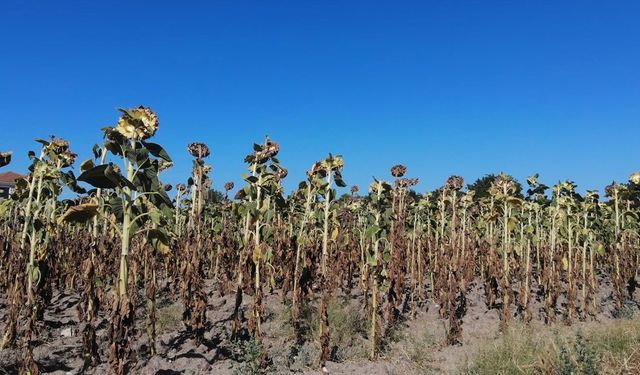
(215, 196)
(482, 185)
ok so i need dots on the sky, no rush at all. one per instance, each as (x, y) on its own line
(444, 87)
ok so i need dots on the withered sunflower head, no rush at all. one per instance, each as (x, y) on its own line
(229, 186)
(355, 189)
(240, 194)
(68, 158)
(398, 171)
(199, 150)
(267, 151)
(635, 178)
(163, 165)
(455, 183)
(612, 189)
(58, 145)
(406, 183)
(181, 188)
(504, 183)
(138, 123)
(592, 196)
(337, 162)
(5, 158)
(282, 173)
(168, 187)
(317, 168)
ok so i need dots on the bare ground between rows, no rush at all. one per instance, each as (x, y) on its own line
(417, 346)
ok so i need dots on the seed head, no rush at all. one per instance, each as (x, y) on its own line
(58, 145)
(407, 182)
(455, 183)
(504, 183)
(611, 190)
(229, 186)
(199, 150)
(67, 158)
(282, 173)
(264, 152)
(398, 171)
(138, 123)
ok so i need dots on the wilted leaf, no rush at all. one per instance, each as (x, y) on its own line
(160, 241)
(79, 214)
(372, 230)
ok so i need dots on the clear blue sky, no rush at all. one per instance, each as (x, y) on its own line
(445, 87)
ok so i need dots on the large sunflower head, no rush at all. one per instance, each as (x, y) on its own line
(138, 123)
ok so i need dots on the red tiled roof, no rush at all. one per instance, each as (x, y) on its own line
(10, 177)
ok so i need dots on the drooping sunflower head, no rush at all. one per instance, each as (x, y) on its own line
(611, 190)
(199, 150)
(266, 151)
(5, 158)
(282, 173)
(398, 170)
(455, 183)
(163, 165)
(68, 158)
(138, 123)
(58, 146)
(406, 183)
(504, 183)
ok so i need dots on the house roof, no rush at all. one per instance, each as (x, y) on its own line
(10, 177)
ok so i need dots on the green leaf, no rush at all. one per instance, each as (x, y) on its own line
(371, 260)
(157, 151)
(371, 231)
(96, 177)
